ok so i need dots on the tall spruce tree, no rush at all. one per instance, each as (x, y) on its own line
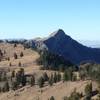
(41, 82)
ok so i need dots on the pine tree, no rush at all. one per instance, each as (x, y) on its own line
(88, 91)
(8, 59)
(74, 77)
(20, 77)
(52, 98)
(19, 64)
(0, 90)
(23, 80)
(74, 95)
(14, 85)
(55, 78)
(41, 82)
(10, 64)
(51, 81)
(15, 56)
(4, 52)
(1, 55)
(45, 76)
(65, 98)
(99, 91)
(15, 45)
(4, 76)
(32, 82)
(67, 75)
(6, 87)
(13, 74)
(58, 77)
(21, 54)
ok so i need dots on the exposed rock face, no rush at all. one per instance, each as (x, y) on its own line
(60, 43)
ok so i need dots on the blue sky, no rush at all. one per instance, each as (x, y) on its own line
(38, 18)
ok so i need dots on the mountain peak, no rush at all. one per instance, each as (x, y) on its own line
(61, 44)
(59, 32)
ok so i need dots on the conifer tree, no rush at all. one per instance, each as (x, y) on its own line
(41, 82)
(51, 81)
(15, 56)
(88, 91)
(58, 77)
(32, 82)
(55, 78)
(45, 76)
(6, 87)
(52, 98)
(21, 54)
(13, 74)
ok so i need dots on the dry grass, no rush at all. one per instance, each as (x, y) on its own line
(28, 61)
(58, 90)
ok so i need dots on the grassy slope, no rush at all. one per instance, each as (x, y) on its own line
(32, 93)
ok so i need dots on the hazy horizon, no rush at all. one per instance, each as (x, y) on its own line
(30, 19)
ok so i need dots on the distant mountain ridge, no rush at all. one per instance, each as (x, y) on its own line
(91, 43)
